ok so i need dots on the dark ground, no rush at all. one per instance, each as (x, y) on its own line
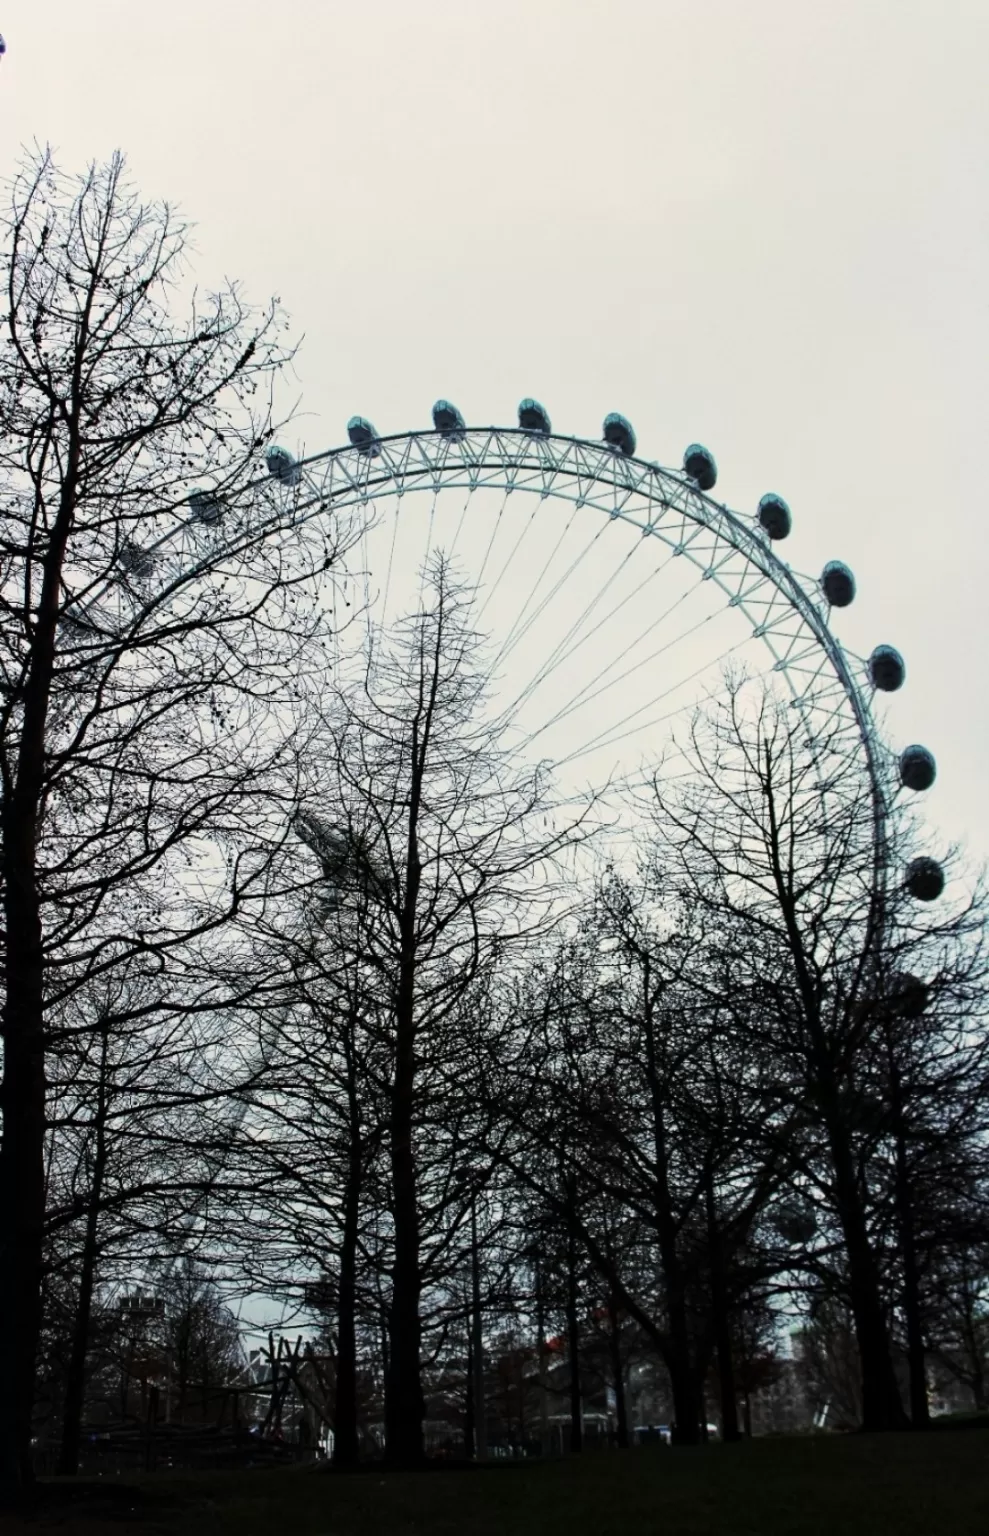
(906, 1485)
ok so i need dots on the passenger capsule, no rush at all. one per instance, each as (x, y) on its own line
(617, 431)
(924, 879)
(363, 436)
(698, 463)
(795, 1223)
(887, 669)
(838, 584)
(282, 466)
(774, 516)
(135, 561)
(908, 995)
(533, 418)
(918, 770)
(448, 420)
(207, 507)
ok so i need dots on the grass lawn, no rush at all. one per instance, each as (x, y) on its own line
(904, 1485)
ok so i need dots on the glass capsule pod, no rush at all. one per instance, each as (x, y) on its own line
(887, 669)
(207, 507)
(774, 516)
(617, 432)
(363, 436)
(924, 879)
(534, 418)
(907, 995)
(838, 584)
(135, 561)
(282, 466)
(448, 420)
(918, 768)
(698, 463)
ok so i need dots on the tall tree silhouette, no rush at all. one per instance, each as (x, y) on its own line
(151, 635)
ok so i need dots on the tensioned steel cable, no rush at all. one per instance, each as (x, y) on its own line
(565, 647)
(575, 562)
(580, 698)
(508, 642)
(598, 743)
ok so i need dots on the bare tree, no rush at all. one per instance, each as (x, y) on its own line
(775, 841)
(928, 1081)
(142, 1098)
(736, 1036)
(311, 1154)
(201, 1341)
(150, 644)
(631, 1083)
(957, 1311)
(443, 836)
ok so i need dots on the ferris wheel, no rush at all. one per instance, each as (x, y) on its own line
(614, 592)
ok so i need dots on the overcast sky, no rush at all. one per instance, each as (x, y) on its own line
(758, 223)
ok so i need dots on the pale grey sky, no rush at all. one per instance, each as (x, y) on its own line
(763, 224)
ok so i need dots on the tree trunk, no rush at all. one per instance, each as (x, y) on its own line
(720, 1316)
(920, 1416)
(686, 1428)
(404, 1406)
(972, 1341)
(23, 1207)
(22, 1172)
(477, 1346)
(75, 1384)
(544, 1446)
(22, 1092)
(346, 1444)
(673, 1345)
(686, 1425)
(469, 1415)
(75, 1387)
(617, 1373)
(573, 1350)
(881, 1405)
(728, 1400)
